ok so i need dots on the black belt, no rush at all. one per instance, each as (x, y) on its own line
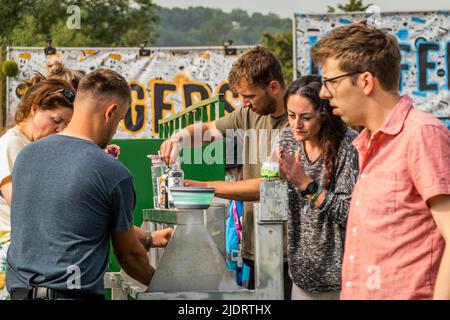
(52, 294)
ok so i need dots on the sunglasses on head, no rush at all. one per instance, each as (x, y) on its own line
(69, 95)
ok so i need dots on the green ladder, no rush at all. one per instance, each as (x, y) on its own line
(204, 111)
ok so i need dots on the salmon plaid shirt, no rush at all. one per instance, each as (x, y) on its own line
(393, 247)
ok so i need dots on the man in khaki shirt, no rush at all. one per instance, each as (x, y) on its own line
(258, 78)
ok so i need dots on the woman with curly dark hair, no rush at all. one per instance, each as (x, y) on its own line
(318, 160)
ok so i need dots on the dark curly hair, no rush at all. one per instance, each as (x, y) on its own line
(332, 130)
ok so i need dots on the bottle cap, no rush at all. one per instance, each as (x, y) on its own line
(156, 159)
(176, 166)
(270, 170)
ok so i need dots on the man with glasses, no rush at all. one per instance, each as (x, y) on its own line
(399, 218)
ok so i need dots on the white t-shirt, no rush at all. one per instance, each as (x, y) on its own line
(11, 143)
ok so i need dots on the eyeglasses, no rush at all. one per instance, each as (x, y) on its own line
(325, 81)
(69, 95)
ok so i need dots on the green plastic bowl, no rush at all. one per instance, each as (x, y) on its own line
(192, 197)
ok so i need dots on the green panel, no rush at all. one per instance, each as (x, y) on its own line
(171, 127)
(221, 107)
(190, 118)
(133, 154)
(197, 115)
(204, 111)
(212, 112)
(200, 171)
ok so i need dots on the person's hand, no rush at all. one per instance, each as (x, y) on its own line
(160, 238)
(113, 150)
(170, 150)
(194, 183)
(292, 170)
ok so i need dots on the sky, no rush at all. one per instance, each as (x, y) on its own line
(287, 8)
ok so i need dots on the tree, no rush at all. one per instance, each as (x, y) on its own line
(106, 23)
(352, 5)
(116, 23)
(280, 45)
(103, 23)
(199, 26)
(11, 12)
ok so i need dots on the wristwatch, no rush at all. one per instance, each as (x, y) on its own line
(148, 240)
(311, 188)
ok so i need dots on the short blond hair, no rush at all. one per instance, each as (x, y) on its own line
(361, 48)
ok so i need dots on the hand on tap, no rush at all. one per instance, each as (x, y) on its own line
(160, 238)
(154, 239)
(170, 149)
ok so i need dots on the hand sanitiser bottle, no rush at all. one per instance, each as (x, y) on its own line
(175, 178)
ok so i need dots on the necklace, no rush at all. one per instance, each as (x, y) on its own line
(311, 157)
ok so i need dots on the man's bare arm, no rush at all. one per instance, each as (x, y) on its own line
(192, 136)
(6, 190)
(245, 190)
(440, 208)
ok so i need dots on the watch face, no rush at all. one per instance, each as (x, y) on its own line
(312, 187)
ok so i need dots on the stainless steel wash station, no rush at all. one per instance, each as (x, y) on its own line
(192, 266)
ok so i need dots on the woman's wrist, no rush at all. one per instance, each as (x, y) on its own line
(316, 195)
(180, 135)
(317, 198)
(303, 184)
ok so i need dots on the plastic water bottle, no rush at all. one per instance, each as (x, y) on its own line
(159, 167)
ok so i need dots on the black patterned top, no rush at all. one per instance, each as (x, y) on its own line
(316, 234)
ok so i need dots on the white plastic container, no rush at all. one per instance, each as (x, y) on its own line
(159, 167)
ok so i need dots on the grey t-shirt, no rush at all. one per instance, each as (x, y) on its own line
(68, 197)
(265, 128)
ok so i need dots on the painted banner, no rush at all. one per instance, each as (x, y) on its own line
(424, 41)
(164, 82)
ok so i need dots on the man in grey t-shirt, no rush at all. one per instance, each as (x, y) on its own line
(70, 198)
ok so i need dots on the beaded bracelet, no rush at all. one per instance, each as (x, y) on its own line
(316, 195)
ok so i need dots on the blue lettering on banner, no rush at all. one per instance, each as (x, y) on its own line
(423, 49)
(345, 21)
(424, 41)
(403, 34)
(313, 38)
(448, 65)
(418, 20)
